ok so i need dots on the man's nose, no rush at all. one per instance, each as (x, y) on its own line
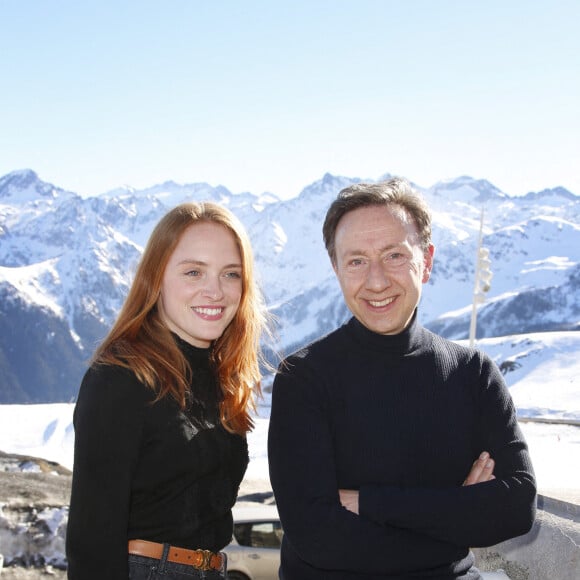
(377, 278)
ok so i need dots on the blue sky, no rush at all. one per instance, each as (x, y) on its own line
(269, 95)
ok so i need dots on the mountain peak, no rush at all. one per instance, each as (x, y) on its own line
(328, 184)
(24, 185)
(553, 192)
(467, 189)
(21, 179)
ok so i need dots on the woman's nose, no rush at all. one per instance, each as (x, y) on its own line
(213, 288)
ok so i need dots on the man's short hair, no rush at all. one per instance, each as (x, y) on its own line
(396, 191)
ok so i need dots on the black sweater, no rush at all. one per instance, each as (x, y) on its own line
(401, 419)
(149, 470)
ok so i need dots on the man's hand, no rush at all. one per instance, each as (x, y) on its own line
(481, 470)
(349, 499)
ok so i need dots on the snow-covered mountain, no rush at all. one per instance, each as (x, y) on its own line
(66, 263)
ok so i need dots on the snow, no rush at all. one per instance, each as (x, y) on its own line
(39, 430)
(32, 282)
(545, 379)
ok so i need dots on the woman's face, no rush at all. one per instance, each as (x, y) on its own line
(202, 284)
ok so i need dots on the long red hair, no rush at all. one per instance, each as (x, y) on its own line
(141, 342)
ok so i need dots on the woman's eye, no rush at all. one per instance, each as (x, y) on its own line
(234, 275)
(192, 273)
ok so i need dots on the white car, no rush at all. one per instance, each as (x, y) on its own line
(254, 553)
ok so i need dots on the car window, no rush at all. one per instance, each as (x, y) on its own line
(259, 534)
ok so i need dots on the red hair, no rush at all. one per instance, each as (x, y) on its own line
(141, 342)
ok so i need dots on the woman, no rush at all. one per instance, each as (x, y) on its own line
(162, 413)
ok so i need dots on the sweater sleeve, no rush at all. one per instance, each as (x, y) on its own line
(478, 515)
(108, 426)
(303, 476)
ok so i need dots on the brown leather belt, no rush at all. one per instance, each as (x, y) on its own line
(200, 559)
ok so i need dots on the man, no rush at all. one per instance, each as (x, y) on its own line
(392, 451)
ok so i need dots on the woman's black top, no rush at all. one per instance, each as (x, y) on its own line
(149, 470)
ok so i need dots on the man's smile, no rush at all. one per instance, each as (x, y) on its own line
(379, 304)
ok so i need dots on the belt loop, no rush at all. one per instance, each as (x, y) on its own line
(163, 559)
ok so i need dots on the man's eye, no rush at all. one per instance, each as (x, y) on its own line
(355, 262)
(396, 258)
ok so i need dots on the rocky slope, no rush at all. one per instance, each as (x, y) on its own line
(34, 497)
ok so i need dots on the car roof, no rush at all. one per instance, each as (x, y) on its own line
(252, 513)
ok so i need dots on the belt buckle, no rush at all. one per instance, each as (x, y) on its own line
(206, 556)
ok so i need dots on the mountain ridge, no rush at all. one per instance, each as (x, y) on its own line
(70, 259)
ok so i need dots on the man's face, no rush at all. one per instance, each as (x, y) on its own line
(381, 267)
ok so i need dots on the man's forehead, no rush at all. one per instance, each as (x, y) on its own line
(388, 223)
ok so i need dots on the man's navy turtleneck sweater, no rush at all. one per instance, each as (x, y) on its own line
(401, 418)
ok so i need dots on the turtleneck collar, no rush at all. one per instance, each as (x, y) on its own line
(204, 390)
(194, 354)
(403, 343)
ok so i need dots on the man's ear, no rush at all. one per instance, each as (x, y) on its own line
(428, 256)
